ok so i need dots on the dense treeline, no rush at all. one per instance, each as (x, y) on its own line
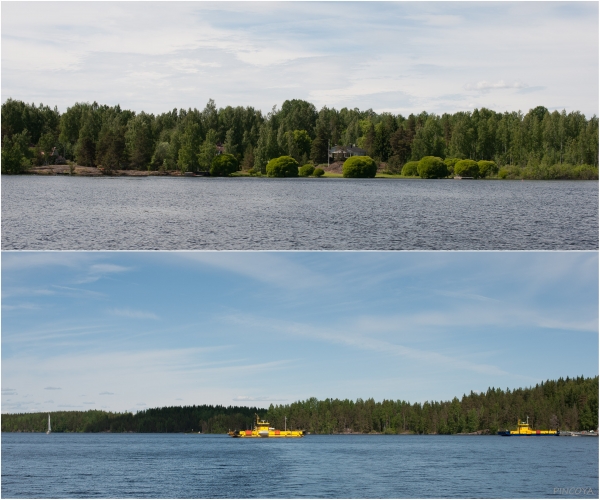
(205, 418)
(568, 404)
(539, 144)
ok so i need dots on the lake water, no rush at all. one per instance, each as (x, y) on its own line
(353, 466)
(75, 213)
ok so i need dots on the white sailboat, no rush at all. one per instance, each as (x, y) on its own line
(49, 428)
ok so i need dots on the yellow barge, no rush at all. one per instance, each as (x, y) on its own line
(262, 429)
(523, 429)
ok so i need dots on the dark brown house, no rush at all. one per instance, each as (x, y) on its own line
(342, 153)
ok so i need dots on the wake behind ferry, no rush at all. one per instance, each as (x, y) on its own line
(523, 429)
(262, 430)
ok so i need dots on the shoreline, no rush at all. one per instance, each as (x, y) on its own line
(80, 171)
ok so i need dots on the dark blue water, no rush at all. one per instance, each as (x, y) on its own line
(186, 466)
(64, 213)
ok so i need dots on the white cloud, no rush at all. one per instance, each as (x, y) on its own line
(108, 268)
(148, 376)
(398, 315)
(133, 314)
(358, 340)
(158, 56)
(257, 398)
(55, 332)
(271, 268)
(492, 315)
(486, 86)
(17, 261)
(79, 292)
(98, 271)
(15, 307)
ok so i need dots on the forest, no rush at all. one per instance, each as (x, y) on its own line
(566, 404)
(203, 418)
(537, 145)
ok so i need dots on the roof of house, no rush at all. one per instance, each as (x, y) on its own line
(351, 149)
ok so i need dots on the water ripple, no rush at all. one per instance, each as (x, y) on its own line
(216, 466)
(59, 213)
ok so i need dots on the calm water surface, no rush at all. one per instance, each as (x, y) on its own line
(58, 213)
(185, 466)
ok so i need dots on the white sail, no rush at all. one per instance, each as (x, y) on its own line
(49, 428)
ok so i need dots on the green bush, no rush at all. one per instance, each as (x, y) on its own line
(549, 172)
(318, 172)
(585, 172)
(432, 167)
(223, 165)
(466, 168)
(487, 168)
(410, 169)
(284, 166)
(560, 171)
(306, 170)
(359, 167)
(509, 172)
(450, 162)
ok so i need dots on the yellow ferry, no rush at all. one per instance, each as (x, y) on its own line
(523, 429)
(262, 430)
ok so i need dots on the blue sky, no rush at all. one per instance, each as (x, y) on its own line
(129, 330)
(401, 57)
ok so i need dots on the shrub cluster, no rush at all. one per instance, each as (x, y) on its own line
(410, 169)
(450, 162)
(562, 171)
(466, 168)
(432, 167)
(487, 168)
(359, 167)
(306, 170)
(284, 166)
(224, 165)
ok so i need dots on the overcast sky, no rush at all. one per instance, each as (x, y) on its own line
(400, 57)
(127, 331)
